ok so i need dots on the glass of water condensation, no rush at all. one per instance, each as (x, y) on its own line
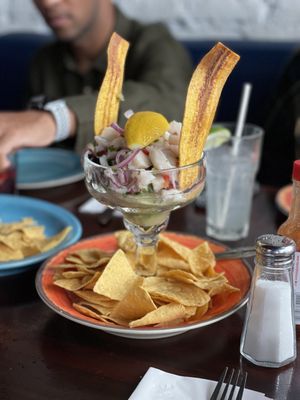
(231, 171)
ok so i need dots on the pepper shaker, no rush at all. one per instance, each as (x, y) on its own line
(269, 333)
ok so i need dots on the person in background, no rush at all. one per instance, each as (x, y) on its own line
(282, 129)
(66, 75)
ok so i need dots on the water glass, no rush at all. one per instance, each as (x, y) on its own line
(231, 171)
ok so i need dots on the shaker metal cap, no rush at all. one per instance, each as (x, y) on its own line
(275, 249)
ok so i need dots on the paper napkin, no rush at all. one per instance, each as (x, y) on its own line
(92, 206)
(160, 385)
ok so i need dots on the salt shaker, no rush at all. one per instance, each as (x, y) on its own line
(269, 333)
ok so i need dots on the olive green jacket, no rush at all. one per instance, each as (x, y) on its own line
(157, 74)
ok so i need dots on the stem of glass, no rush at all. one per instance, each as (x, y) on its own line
(146, 241)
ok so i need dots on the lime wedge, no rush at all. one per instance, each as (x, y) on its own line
(217, 136)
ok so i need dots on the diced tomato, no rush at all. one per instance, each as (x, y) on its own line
(146, 152)
(167, 181)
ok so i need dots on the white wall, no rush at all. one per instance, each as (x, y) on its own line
(189, 19)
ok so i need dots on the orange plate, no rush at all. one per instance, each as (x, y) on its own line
(237, 272)
(284, 199)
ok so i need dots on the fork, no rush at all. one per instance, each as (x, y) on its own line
(240, 252)
(232, 377)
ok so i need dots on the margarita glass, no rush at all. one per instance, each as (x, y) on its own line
(145, 212)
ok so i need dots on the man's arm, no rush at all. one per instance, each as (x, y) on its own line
(27, 129)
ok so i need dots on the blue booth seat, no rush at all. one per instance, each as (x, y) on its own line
(261, 64)
(17, 50)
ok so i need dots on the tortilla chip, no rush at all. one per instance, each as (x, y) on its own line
(83, 309)
(8, 227)
(163, 314)
(8, 254)
(103, 309)
(177, 292)
(220, 289)
(172, 262)
(201, 258)
(92, 258)
(136, 303)
(168, 246)
(25, 238)
(48, 243)
(95, 298)
(73, 274)
(116, 278)
(125, 241)
(72, 284)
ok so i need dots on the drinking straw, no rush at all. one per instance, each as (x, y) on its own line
(243, 108)
(242, 113)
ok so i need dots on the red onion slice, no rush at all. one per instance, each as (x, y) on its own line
(114, 179)
(124, 177)
(121, 155)
(131, 186)
(127, 160)
(117, 128)
(173, 179)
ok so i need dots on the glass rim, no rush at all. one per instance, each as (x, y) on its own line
(199, 163)
(259, 131)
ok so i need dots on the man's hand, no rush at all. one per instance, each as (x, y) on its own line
(25, 129)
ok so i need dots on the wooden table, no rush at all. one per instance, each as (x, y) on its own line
(44, 356)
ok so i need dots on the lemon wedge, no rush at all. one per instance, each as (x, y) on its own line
(143, 128)
(217, 136)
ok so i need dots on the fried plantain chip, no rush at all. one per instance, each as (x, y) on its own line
(110, 94)
(203, 96)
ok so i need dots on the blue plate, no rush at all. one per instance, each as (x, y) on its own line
(45, 168)
(54, 218)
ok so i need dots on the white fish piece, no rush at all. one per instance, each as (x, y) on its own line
(170, 156)
(174, 148)
(174, 138)
(118, 142)
(109, 133)
(144, 178)
(159, 159)
(175, 127)
(158, 183)
(157, 145)
(101, 141)
(140, 161)
(103, 161)
(166, 135)
(100, 147)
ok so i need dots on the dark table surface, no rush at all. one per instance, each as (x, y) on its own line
(44, 356)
